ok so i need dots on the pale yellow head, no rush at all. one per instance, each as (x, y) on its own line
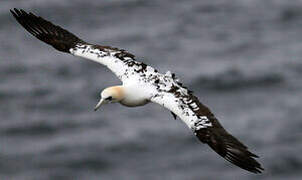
(111, 95)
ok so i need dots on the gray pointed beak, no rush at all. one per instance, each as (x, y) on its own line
(102, 101)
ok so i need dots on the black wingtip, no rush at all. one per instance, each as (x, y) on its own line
(45, 31)
(230, 148)
(243, 158)
(14, 12)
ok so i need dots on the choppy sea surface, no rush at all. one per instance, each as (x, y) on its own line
(243, 58)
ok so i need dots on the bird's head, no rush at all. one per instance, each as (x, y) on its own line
(110, 95)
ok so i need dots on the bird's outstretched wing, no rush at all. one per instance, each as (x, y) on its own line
(204, 124)
(119, 61)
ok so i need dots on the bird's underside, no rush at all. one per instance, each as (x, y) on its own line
(165, 89)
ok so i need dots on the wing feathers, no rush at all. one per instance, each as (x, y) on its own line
(229, 148)
(207, 128)
(45, 31)
(117, 60)
(225, 144)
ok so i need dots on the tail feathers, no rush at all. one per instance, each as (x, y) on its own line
(45, 31)
(230, 148)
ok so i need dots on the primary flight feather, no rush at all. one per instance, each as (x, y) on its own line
(142, 84)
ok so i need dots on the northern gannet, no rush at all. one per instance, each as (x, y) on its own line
(142, 84)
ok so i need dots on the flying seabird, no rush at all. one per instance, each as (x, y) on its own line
(142, 84)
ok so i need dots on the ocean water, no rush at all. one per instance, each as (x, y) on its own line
(242, 58)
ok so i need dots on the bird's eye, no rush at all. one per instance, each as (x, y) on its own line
(109, 98)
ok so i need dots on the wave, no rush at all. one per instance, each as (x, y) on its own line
(234, 79)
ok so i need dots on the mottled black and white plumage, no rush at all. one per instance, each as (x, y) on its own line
(143, 84)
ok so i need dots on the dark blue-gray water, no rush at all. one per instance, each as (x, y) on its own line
(243, 58)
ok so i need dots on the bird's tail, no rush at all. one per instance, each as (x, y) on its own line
(45, 31)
